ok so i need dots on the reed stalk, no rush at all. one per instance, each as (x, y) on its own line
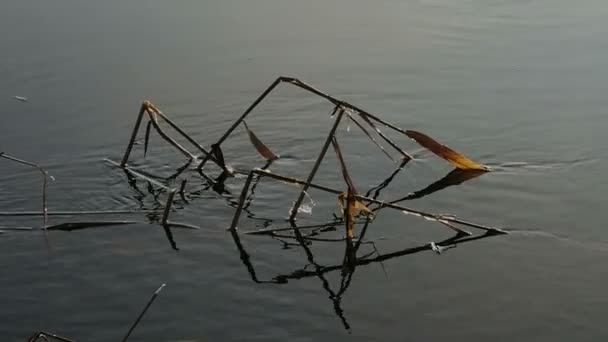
(44, 174)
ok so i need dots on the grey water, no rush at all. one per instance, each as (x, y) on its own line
(520, 85)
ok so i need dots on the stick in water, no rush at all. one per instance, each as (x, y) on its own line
(141, 315)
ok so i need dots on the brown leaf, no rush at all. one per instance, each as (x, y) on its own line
(351, 207)
(457, 159)
(262, 149)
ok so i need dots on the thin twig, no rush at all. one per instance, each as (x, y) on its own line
(74, 213)
(138, 174)
(370, 136)
(161, 132)
(44, 186)
(385, 138)
(141, 315)
(140, 115)
(153, 108)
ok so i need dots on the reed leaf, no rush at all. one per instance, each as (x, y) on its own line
(262, 149)
(455, 158)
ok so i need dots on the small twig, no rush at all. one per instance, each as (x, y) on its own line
(138, 174)
(140, 115)
(4, 229)
(167, 138)
(154, 109)
(384, 137)
(370, 136)
(141, 315)
(183, 225)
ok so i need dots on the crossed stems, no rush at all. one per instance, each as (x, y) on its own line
(153, 114)
(216, 155)
(340, 107)
(450, 219)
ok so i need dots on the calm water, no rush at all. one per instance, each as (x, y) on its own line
(519, 85)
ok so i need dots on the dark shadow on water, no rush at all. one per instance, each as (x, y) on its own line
(455, 177)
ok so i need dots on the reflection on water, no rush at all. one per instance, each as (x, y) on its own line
(305, 236)
(351, 258)
(349, 264)
(293, 236)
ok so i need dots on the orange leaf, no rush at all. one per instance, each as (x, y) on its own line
(457, 159)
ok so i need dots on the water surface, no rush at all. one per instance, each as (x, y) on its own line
(518, 85)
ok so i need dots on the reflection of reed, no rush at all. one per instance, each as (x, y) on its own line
(448, 220)
(352, 203)
(354, 207)
(350, 260)
(378, 188)
(349, 263)
(455, 177)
